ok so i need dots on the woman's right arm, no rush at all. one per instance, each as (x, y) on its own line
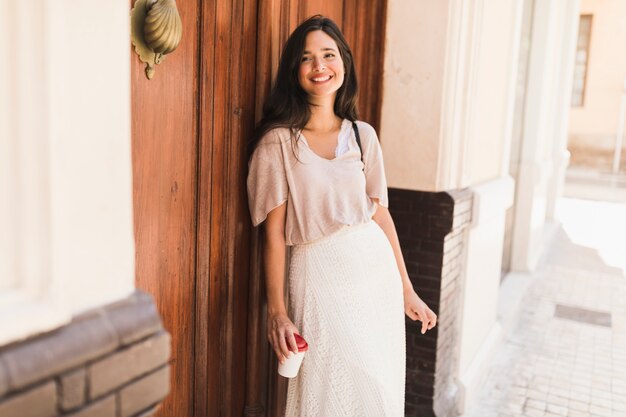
(279, 325)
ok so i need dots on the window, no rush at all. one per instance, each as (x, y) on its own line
(582, 60)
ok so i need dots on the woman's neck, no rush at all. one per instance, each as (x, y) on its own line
(323, 118)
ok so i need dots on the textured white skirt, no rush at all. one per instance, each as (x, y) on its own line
(345, 297)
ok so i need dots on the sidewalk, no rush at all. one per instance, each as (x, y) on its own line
(566, 355)
(595, 185)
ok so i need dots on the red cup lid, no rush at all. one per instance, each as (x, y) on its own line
(302, 344)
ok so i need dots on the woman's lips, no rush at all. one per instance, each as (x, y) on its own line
(321, 79)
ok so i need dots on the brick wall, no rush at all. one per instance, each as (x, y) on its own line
(431, 229)
(109, 362)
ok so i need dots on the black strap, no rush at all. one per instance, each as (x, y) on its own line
(358, 141)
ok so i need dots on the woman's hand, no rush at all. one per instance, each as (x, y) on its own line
(417, 309)
(279, 327)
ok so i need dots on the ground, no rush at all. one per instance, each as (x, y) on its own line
(566, 354)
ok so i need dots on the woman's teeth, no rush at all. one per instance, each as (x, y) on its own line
(321, 79)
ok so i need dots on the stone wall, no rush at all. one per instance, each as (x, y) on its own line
(431, 228)
(108, 362)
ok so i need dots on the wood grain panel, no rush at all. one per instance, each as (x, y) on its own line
(331, 9)
(364, 29)
(227, 118)
(207, 336)
(164, 132)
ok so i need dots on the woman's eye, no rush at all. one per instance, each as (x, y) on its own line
(306, 58)
(329, 55)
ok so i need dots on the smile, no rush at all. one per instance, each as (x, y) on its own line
(321, 79)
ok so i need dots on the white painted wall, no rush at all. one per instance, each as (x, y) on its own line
(479, 328)
(493, 57)
(563, 96)
(413, 78)
(545, 110)
(446, 101)
(449, 91)
(67, 166)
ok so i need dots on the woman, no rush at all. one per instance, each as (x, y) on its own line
(320, 191)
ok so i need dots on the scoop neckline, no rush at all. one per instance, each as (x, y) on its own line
(302, 136)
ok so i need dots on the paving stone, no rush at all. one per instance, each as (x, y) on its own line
(72, 389)
(574, 413)
(128, 364)
(536, 395)
(601, 402)
(586, 398)
(618, 406)
(144, 393)
(600, 411)
(618, 389)
(578, 405)
(40, 401)
(553, 399)
(535, 404)
(533, 413)
(619, 398)
(579, 389)
(601, 394)
(102, 408)
(559, 392)
(557, 409)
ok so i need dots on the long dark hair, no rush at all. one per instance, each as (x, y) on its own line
(287, 104)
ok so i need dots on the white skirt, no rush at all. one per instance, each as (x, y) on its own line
(345, 298)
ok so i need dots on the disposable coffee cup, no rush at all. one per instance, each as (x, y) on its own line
(290, 368)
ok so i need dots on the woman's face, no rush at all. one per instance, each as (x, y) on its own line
(321, 70)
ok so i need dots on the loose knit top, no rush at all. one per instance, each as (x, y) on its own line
(322, 194)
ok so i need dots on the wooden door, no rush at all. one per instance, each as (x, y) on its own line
(196, 252)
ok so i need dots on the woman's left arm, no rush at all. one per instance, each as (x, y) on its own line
(414, 307)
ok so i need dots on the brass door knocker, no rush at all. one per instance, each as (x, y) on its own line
(156, 30)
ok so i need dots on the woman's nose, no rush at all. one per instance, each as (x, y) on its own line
(318, 64)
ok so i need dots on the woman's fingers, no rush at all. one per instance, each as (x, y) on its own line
(433, 320)
(276, 348)
(282, 343)
(412, 314)
(282, 338)
(292, 342)
(428, 319)
(424, 320)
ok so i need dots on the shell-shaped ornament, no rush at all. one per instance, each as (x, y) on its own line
(163, 28)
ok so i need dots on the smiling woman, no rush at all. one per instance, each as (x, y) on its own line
(326, 197)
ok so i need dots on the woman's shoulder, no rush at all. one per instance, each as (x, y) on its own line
(269, 147)
(366, 131)
(275, 136)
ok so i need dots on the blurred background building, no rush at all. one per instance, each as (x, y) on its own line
(122, 196)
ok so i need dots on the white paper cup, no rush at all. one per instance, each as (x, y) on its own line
(290, 368)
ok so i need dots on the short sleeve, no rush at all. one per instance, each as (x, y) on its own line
(267, 182)
(375, 180)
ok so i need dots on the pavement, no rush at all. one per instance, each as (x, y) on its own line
(565, 355)
(595, 184)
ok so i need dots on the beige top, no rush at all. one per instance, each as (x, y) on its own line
(322, 194)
